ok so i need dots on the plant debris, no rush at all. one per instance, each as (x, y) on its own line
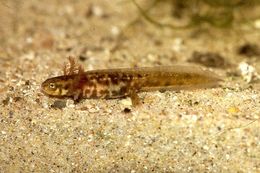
(209, 59)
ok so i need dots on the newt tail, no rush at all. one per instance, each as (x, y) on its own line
(116, 83)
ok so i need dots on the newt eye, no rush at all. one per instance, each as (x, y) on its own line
(52, 86)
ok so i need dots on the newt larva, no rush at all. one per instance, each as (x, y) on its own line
(123, 82)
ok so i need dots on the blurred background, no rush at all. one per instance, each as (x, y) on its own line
(216, 31)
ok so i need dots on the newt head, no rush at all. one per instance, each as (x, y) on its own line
(59, 86)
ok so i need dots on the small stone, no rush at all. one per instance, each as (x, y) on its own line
(69, 9)
(257, 24)
(127, 110)
(70, 103)
(93, 109)
(205, 147)
(59, 104)
(29, 56)
(233, 110)
(27, 82)
(29, 40)
(177, 45)
(95, 10)
(90, 138)
(152, 57)
(194, 118)
(45, 104)
(115, 30)
(227, 156)
(16, 99)
(6, 101)
(126, 102)
(248, 72)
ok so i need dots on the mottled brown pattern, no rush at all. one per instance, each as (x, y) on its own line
(115, 83)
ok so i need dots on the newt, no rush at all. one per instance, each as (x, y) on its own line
(125, 82)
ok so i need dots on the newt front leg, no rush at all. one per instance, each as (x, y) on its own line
(135, 98)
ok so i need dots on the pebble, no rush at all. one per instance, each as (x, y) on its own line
(126, 102)
(257, 24)
(60, 104)
(248, 72)
(177, 45)
(29, 56)
(115, 30)
(70, 103)
(233, 110)
(97, 11)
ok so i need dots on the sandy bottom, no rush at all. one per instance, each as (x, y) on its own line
(207, 130)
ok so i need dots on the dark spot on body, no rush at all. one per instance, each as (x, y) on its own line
(139, 76)
(167, 83)
(103, 92)
(59, 86)
(66, 86)
(114, 79)
(86, 92)
(91, 77)
(94, 93)
(123, 90)
(127, 78)
(100, 76)
(114, 93)
(91, 83)
(181, 83)
(103, 80)
(187, 76)
(124, 76)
